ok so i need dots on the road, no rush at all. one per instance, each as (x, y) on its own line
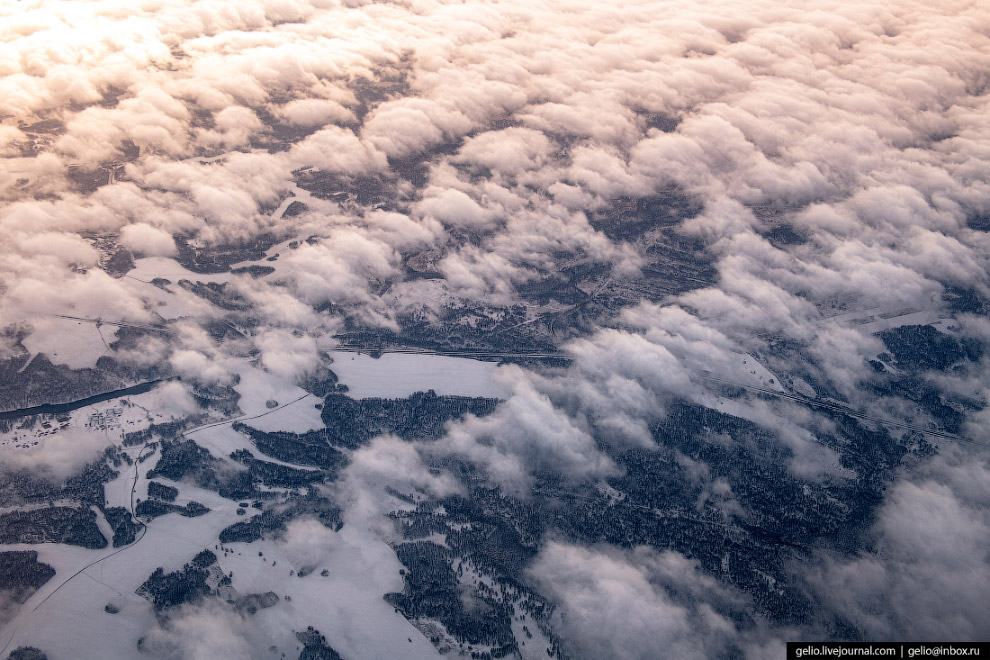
(466, 354)
(837, 407)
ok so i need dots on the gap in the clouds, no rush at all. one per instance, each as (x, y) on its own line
(627, 218)
(979, 221)
(660, 121)
(219, 258)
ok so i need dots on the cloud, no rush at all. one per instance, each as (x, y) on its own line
(175, 398)
(337, 150)
(307, 542)
(203, 631)
(287, 355)
(197, 366)
(59, 455)
(404, 127)
(342, 268)
(928, 573)
(147, 240)
(508, 152)
(525, 435)
(196, 357)
(316, 112)
(386, 461)
(453, 207)
(635, 604)
(837, 157)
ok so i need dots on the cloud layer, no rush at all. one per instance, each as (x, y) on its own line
(690, 204)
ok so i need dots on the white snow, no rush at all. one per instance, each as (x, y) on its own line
(347, 606)
(221, 440)
(172, 302)
(64, 446)
(296, 411)
(875, 319)
(531, 648)
(76, 344)
(149, 268)
(398, 375)
(759, 375)
(883, 322)
(73, 612)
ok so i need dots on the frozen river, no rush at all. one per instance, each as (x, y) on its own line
(397, 375)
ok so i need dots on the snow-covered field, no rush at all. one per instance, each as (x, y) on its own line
(877, 319)
(172, 301)
(295, 409)
(758, 375)
(150, 268)
(346, 605)
(76, 344)
(397, 375)
(71, 605)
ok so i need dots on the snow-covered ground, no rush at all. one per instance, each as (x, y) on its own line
(76, 344)
(70, 607)
(346, 606)
(295, 409)
(65, 446)
(172, 301)
(150, 268)
(759, 376)
(303, 196)
(397, 375)
(877, 319)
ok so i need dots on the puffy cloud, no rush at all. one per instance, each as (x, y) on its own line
(307, 542)
(404, 127)
(287, 355)
(59, 456)
(36, 296)
(402, 231)
(196, 356)
(198, 367)
(203, 631)
(635, 604)
(316, 112)
(337, 150)
(454, 208)
(838, 156)
(928, 573)
(526, 434)
(341, 267)
(509, 151)
(386, 461)
(147, 240)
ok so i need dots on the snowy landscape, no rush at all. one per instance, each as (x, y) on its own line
(425, 329)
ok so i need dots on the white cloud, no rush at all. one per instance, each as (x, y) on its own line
(316, 112)
(287, 355)
(634, 604)
(147, 240)
(201, 632)
(454, 208)
(859, 126)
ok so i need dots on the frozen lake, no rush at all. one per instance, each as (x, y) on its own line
(397, 375)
